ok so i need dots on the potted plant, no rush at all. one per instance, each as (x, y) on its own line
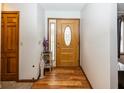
(45, 45)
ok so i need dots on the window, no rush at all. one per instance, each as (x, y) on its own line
(67, 35)
(52, 38)
(122, 37)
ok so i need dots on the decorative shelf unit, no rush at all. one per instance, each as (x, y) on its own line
(47, 57)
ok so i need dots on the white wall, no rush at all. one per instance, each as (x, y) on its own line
(60, 14)
(41, 32)
(98, 44)
(31, 36)
(113, 47)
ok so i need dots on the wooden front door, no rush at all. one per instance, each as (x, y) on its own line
(67, 42)
(9, 46)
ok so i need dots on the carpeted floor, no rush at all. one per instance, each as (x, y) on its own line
(16, 85)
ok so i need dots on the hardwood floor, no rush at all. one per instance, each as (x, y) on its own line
(63, 78)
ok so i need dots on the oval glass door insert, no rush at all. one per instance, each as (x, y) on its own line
(67, 35)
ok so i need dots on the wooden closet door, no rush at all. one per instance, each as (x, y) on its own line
(9, 46)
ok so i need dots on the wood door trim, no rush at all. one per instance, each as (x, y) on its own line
(18, 46)
(18, 13)
(64, 18)
(26, 80)
(7, 12)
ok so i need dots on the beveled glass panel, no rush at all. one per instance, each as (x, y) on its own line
(67, 35)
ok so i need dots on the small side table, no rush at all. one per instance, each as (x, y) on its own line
(47, 57)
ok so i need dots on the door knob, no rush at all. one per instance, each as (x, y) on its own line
(57, 45)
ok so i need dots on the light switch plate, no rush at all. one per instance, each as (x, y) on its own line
(21, 43)
(39, 42)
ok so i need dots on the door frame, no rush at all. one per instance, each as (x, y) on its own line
(56, 33)
(15, 12)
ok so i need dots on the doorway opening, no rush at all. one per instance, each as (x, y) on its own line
(120, 35)
(63, 36)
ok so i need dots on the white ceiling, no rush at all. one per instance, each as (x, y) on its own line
(120, 6)
(63, 6)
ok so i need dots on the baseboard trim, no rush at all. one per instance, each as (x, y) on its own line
(86, 77)
(26, 80)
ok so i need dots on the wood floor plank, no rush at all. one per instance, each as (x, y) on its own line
(63, 78)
